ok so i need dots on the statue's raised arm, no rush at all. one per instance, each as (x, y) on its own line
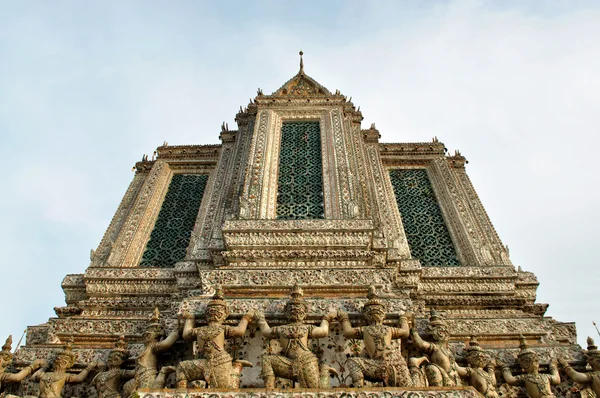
(147, 374)
(381, 362)
(537, 385)
(6, 358)
(213, 364)
(52, 383)
(480, 372)
(442, 371)
(589, 379)
(107, 382)
(296, 361)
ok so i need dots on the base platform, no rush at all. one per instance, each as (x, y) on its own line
(374, 392)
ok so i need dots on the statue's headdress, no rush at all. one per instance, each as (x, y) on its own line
(373, 301)
(296, 298)
(120, 348)
(155, 325)
(435, 320)
(592, 349)
(67, 352)
(6, 349)
(217, 299)
(474, 347)
(525, 352)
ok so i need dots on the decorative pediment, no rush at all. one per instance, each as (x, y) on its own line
(301, 85)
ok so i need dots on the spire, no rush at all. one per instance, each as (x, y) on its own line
(301, 84)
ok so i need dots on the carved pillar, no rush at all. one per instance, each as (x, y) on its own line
(222, 194)
(385, 210)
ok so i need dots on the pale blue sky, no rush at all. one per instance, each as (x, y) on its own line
(87, 87)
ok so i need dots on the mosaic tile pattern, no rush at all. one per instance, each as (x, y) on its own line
(300, 183)
(171, 234)
(424, 225)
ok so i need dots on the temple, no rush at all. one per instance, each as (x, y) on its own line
(300, 253)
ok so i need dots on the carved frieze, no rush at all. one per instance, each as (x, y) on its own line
(286, 277)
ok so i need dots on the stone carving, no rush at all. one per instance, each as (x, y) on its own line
(214, 365)
(296, 361)
(442, 371)
(52, 383)
(380, 361)
(6, 358)
(107, 383)
(589, 379)
(146, 371)
(480, 372)
(260, 277)
(325, 393)
(536, 384)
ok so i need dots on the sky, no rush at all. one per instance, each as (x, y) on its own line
(86, 88)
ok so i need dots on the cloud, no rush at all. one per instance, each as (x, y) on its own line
(512, 85)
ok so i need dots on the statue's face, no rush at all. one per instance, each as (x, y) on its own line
(375, 315)
(5, 361)
(439, 333)
(296, 312)
(529, 362)
(594, 362)
(61, 363)
(216, 313)
(115, 360)
(149, 337)
(477, 359)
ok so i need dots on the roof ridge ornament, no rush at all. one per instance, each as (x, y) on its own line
(301, 85)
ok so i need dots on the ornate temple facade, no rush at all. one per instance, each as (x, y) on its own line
(301, 198)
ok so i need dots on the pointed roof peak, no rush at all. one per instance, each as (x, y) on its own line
(302, 84)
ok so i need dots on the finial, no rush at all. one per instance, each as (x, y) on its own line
(69, 344)
(373, 300)
(522, 342)
(296, 292)
(473, 341)
(301, 63)
(219, 292)
(155, 317)
(121, 344)
(8, 345)
(590, 343)
(372, 292)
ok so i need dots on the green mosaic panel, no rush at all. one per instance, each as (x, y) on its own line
(424, 225)
(171, 234)
(300, 183)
